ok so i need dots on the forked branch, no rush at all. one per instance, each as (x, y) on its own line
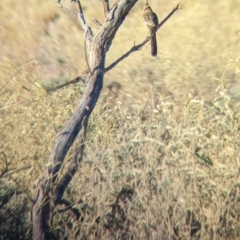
(105, 7)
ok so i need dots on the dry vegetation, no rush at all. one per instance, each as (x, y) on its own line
(161, 161)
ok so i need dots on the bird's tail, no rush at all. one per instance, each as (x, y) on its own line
(153, 42)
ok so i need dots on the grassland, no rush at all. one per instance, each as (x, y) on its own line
(162, 151)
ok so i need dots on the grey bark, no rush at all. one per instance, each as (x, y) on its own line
(51, 189)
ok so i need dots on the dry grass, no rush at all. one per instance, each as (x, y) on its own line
(161, 162)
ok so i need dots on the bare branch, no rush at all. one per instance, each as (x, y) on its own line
(105, 7)
(66, 9)
(80, 78)
(139, 46)
(81, 10)
(14, 171)
(96, 22)
(168, 16)
(133, 49)
(86, 56)
(87, 30)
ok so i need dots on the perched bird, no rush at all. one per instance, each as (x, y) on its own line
(151, 20)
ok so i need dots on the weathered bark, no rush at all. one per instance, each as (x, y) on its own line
(50, 189)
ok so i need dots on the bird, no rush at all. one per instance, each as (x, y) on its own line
(151, 20)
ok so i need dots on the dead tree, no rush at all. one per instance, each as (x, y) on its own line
(51, 188)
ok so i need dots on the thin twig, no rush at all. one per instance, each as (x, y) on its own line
(4, 92)
(87, 30)
(86, 56)
(105, 6)
(96, 22)
(15, 171)
(66, 9)
(16, 74)
(133, 49)
(80, 10)
(168, 16)
(79, 78)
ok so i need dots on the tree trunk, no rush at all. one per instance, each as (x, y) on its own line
(50, 190)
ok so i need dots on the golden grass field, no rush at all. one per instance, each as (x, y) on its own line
(162, 152)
